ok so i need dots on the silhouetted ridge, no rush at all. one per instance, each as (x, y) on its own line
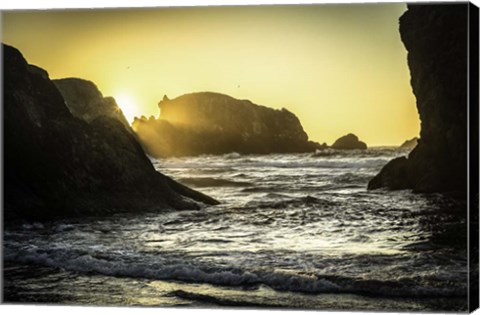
(59, 165)
(85, 101)
(435, 37)
(213, 123)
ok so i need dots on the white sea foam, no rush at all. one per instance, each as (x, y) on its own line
(303, 224)
(186, 271)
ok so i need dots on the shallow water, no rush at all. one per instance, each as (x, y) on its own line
(295, 231)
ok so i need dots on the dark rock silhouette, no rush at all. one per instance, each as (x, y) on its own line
(58, 165)
(392, 175)
(349, 142)
(38, 70)
(86, 102)
(212, 123)
(435, 37)
(410, 144)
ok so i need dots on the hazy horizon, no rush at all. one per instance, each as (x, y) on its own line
(340, 68)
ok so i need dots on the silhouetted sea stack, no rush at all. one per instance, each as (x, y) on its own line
(349, 142)
(435, 37)
(410, 144)
(212, 123)
(58, 165)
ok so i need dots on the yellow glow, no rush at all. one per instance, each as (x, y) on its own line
(340, 68)
(128, 106)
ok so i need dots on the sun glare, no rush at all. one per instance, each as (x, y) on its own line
(128, 106)
(303, 58)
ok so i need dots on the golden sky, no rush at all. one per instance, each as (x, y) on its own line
(340, 68)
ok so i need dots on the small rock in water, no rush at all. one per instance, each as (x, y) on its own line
(349, 142)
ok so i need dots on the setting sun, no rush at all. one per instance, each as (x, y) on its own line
(128, 105)
(297, 57)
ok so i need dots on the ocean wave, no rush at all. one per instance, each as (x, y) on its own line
(340, 163)
(232, 156)
(373, 152)
(64, 227)
(212, 182)
(225, 301)
(323, 159)
(33, 226)
(283, 203)
(162, 268)
(349, 178)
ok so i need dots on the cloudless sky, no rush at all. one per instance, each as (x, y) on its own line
(340, 68)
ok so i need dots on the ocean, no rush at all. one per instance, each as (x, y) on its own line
(295, 231)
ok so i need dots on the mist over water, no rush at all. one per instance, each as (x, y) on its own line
(292, 230)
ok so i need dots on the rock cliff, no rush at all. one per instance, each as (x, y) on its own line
(435, 37)
(349, 142)
(58, 165)
(212, 123)
(409, 144)
(85, 101)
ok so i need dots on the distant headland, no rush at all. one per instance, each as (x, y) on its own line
(214, 123)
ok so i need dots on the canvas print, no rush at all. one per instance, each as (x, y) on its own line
(319, 157)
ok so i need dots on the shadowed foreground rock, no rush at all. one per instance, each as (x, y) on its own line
(212, 123)
(58, 165)
(349, 142)
(435, 37)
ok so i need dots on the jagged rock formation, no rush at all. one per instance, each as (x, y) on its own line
(349, 142)
(85, 101)
(409, 144)
(212, 123)
(435, 37)
(59, 165)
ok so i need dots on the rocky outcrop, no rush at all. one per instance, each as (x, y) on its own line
(58, 165)
(349, 142)
(212, 123)
(409, 144)
(435, 37)
(85, 101)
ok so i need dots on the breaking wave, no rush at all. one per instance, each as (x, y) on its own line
(178, 270)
